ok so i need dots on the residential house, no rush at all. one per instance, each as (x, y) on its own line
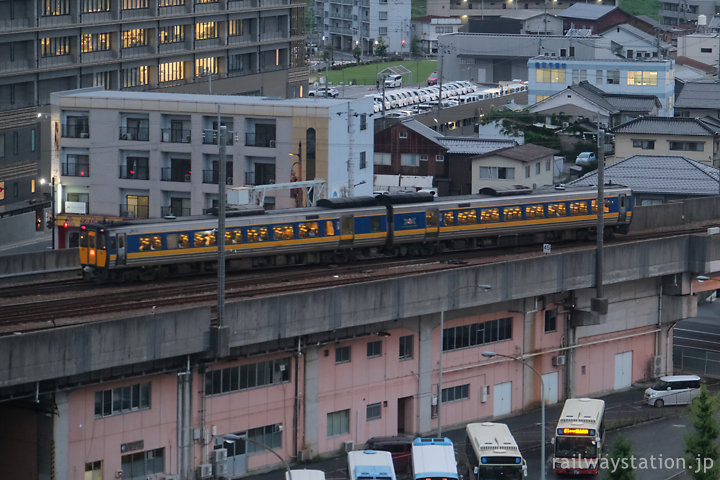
(529, 165)
(695, 138)
(426, 29)
(701, 47)
(698, 99)
(657, 179)
(585, 101)
(119, 155)
(549, 75)
(593, 16)
(665, 33)
(631, 42)
(410, 149)
(484, 8)
(524, 22)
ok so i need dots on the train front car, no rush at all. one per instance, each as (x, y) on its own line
(94, 254)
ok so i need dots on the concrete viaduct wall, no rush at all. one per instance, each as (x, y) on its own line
(72, 351)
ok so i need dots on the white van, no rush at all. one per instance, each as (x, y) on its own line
(393, 81)
(673, 390)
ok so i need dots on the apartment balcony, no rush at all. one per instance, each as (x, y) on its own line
(176, 135)
(175, 175)
(137, 51)
(273, 36)
(134, 133)
(55, 20)
(136, 13)
(173, 47)
(205, 7)
(133, 174)
(7, 25)
(75, 130)
(17, 65)
(98, 17)
(275, 3)
(211, 176)
(173, 10)
(174, 211)
(240, 4)
(209, 42)
(253, 140)
(241, 39)
(56, 61)
(134, 211)
(210, 137)
(100, 56)
(340, 30)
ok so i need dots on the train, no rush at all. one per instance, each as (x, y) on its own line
(340, 230)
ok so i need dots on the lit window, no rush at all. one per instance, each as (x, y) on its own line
(134, 38)
(206, 30)
(171, 71)
(641, 78)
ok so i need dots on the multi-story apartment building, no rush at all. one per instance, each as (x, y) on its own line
(482, 8)
(227, 46)
(343, 24)
(684, 12)
(119, 155)
(549, 75)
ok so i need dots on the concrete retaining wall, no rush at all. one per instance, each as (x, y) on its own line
(44, 261)
(676, 213)
(20, 228)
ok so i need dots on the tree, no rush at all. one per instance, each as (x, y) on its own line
(701, 444)
(620, 464)
(380, 47)
(651, 8)
(415, 46)
(357, 53)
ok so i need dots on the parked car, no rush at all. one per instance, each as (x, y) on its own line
(393, 81)
(585, 158)
(432, 79)
(321, 92)
(400, 448)
(673, 390)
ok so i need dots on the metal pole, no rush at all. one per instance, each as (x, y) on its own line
(52, 213)
(440, 382)
(601, 211)
(221, 224)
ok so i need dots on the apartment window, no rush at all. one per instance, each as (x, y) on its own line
(206, 30)
(171, 71)
(439, 158)
(171, 3)
(134, 38)
(644, 144)
(373, 411)
(135, 168)
(578, 75)
(93, 470)
(374, 349)
(93, 6)
(598, 77)
(121, 400)
(342, 355)
(409, 160)
(642, 78)
(270, 435)
(236, 28)
(550, 320)
(363, 121)
(143, 464)
(406, 347)
(537, 168)
(135, 76)
(497, 173)
(403, 134)
(134, 4)
(527, 171)
(205, 66)
(705, 50)
(613, 77)
(380, 158)
(687, 146)
(103, 79)
(94, 42)
(453, 394)
(32, 141)
(171, 34)
(76, 166)
(474, 334)
(244, 377)
(383, 15)
(550, 75)
(548, 165)
(338, 423)
(55, 7)
(363, 160)
(55, 46)
(382, 31)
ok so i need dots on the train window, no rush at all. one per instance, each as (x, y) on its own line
(330, 228)
(257, 234)
(449, 218)
(534, 211)
(156, 243)
(512, 213)
(205, 238)
(283, 232)
(467, 217)
(308, 230)
(145, 244)
(375, 224)
(233, 237)
(121, 241)
(489, 215)
(113, 243)
(177, 240)
(578, 208)
(556, 210)
(101, 242)
(431, 218)
(606, 207)
(83, 240)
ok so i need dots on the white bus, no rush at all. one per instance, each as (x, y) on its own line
(434, 459)
(305, 475)
(493, 453)
(370, 465)
(578, 436)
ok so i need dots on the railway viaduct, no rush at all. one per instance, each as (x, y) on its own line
(650, 285)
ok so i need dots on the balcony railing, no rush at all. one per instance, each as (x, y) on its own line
(176, 175)
(210, 137)
(134, 211)
(254, 140)
(250, 179)
(133, 173)
(134, 133)
(175, 211)
(75, 170)
(176, 135)
(211, 176)
(75, 131)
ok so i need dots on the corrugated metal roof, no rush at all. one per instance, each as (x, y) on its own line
(699, 95)
(668, 126)
(658, 174)
(588, 11)
(474, 146)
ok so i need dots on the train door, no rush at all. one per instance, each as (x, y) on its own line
(84, 246)
(121, 251)
(622, 208)
(347, 229)
(432, 224)
(100, 248)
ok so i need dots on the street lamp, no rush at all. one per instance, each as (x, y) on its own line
(442, 344)
(489, 354)
(231, 437)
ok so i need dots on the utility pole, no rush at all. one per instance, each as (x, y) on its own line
(440, 90)
(599, 303)
(222, 130)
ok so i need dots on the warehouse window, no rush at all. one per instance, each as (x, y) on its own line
(121, 400)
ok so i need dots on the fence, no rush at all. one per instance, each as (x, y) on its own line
(697, 361)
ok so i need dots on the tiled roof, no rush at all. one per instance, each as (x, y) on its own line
(422, 129)
(633, 103)
(587, 11)
(639, 34)
(524, 153)
(681, 60)
(658, 174)
(474, 146)
(593, 94)
(699, 95)
(668, 126)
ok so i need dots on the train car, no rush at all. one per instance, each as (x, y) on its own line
(148, 249)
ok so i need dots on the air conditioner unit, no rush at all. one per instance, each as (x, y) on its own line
(559, 361)
(220, 455)
(657, 365)
(221, 469)
(204, 471)
(187, 177)
(304, 455)
(165, 136)
(84, 134)
(124, 136)
(271, 143)
(348, 445)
